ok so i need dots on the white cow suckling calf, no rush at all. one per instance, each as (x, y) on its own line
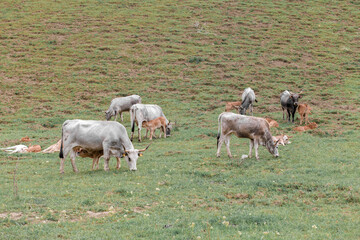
(254, 128)
(110, 137)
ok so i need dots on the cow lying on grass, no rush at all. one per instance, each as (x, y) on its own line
(282, 139)
(310, 126)
(22, 149)
(232, 105)
(256, 129)
(53, 148)
(304, 111)
(152, 125)
(272, 123)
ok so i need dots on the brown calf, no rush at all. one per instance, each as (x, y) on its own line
(232, 105)
(283, 139)
(272, 122)
(95, 155)
(34, 148)
(312, 125)
(152, 125)
(304, 111)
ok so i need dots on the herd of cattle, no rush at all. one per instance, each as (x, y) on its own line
(95, 139)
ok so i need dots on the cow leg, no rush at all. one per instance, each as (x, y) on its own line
(227, 143)
(106, 163)
(72, 158)
(116, 114)
(151, 133)
(293, 115)
(301, 118)
(118, 163)
(95, 164)
(256, 146)
(164, 131)
(66, 151)
(288, 116)
(121, 116)
(251, 147)
(220, 142)
(251, 109)
(62, 161)
(283, 113)
(139, 132)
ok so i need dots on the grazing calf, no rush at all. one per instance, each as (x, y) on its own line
(256, 129)
(310, 126)
(248, 98)
(152, 125)
(272, 122)
(283, 139)
(120, 105)
(232, 105)
(304, 111)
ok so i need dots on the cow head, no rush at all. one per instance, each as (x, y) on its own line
(242, 110)
(169, 127)
(295, 97)
(132, 155)
(109, 114)
(273, 147)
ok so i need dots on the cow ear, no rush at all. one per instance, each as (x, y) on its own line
(123, 154)
(140, 154)
(277, 142)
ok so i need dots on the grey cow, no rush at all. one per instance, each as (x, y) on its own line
(248, 98)
(95, 136)
(289, 102)
(120, 105)
(146, 112)
(254, 128)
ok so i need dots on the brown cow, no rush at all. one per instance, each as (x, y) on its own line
(304, 111)
(53, 148)
(232, 105)
(312, 125)
(152, 125)
(272, 122)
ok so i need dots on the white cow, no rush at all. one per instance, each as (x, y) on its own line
(140, 113)
(254, 128)
(110, 137)
(120, 105)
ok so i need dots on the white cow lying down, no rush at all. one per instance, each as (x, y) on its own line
(15, 149)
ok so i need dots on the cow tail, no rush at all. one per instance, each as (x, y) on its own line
(219, 129)
(132, 119)
(61, 154)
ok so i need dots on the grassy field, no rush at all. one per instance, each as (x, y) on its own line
(67, 59)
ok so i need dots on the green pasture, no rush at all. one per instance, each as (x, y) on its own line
(67, 59)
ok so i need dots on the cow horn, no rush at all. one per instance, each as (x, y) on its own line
(125, 148)
(301, 91)
(142, 150)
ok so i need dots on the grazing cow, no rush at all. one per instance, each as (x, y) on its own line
(283, 139)
(256, 129)
(232, 105)
(304, 111)
(152, 125)
(146, 112)
(120, 105)
(94, 136)
(310, 126)
(272, 122)
(248, 99)
(289, 102)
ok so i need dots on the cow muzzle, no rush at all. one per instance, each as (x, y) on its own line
(133, 169)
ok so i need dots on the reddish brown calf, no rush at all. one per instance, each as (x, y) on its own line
(152, 125)
(232, 105)
(304, 111)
